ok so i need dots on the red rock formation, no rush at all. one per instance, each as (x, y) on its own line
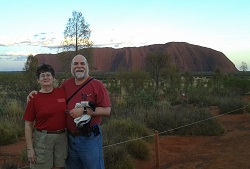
(49, 59)
(187, 57)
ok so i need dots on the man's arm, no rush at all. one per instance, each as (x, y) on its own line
(99, 111)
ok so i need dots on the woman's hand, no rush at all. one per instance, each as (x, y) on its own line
(31, 155)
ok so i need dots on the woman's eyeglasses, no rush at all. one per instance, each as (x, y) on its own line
(43, 75)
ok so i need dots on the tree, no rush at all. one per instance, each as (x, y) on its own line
(76, 37)
(77, 33)
(217, 77)
(156, 63)
(31, 65)
(18, 85)
(30, 78)
(243, 67)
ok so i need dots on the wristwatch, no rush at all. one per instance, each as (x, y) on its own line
(84, 110)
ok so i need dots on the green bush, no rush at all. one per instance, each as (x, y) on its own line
(139, 149)
(185, 121)
(8, 165)
(160, 120)
(247, 108)
(119, 130)
(141, 98)
(8, 134)
(118, 158)
(23, 157)
(197, 121)
(11, 123)
(204, 96)
(231, 106)
(237, 85)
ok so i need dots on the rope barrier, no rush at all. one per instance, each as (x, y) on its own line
(128, 141)
(177, 127)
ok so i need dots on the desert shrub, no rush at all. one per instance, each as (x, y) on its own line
(23, 157)
(117, 158)
(160, 120)
(197, 121)
(220, 91)
(11, 123)
(119, 130)
(185, 121)
(139, 149)
(13, 109)
(8, 133)
(140, 98)
(247, 108)
(198, 96)
(204, 97)
(237, 85)
(173, 97)
(8, 165)
(231, 105)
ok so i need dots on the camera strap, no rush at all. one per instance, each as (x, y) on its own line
(78, 90)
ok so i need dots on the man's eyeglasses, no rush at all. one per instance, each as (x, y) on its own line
(43, 75)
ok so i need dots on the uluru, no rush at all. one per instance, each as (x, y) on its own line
(187, 57)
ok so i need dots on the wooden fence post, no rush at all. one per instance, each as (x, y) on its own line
(157, 149)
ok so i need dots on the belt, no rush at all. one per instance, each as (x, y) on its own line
(52, 132)
(74, 133)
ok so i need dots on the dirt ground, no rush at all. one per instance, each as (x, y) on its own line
(230, 151)
(12, 153)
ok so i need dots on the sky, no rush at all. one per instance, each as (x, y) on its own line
(30, 27)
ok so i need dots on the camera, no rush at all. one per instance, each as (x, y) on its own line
(88, 104)
(83, 121)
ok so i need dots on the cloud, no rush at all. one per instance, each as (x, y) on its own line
(11, 58)
(41, 39)
(120, 44)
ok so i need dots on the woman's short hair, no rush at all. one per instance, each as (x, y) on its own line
(44, 68)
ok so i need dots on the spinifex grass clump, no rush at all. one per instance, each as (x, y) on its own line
(8, 165)
(121, 143)
(197, 121)
(117, 157)
(120, 130)
(139, 149)
(11, 123)
(184, 121)
(231, 106)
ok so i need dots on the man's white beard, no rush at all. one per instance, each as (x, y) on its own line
(79, 75)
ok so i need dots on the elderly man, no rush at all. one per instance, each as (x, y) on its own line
(85, 147)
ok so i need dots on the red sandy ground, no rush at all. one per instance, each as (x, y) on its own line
(230, 151)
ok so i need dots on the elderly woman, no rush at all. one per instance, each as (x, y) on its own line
(45, 123)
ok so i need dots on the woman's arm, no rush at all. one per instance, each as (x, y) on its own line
(28, 136)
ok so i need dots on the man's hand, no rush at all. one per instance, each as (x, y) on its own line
(31, 95)
(76, 112)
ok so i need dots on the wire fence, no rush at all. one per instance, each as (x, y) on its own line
(173, 129)
(170, 130)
